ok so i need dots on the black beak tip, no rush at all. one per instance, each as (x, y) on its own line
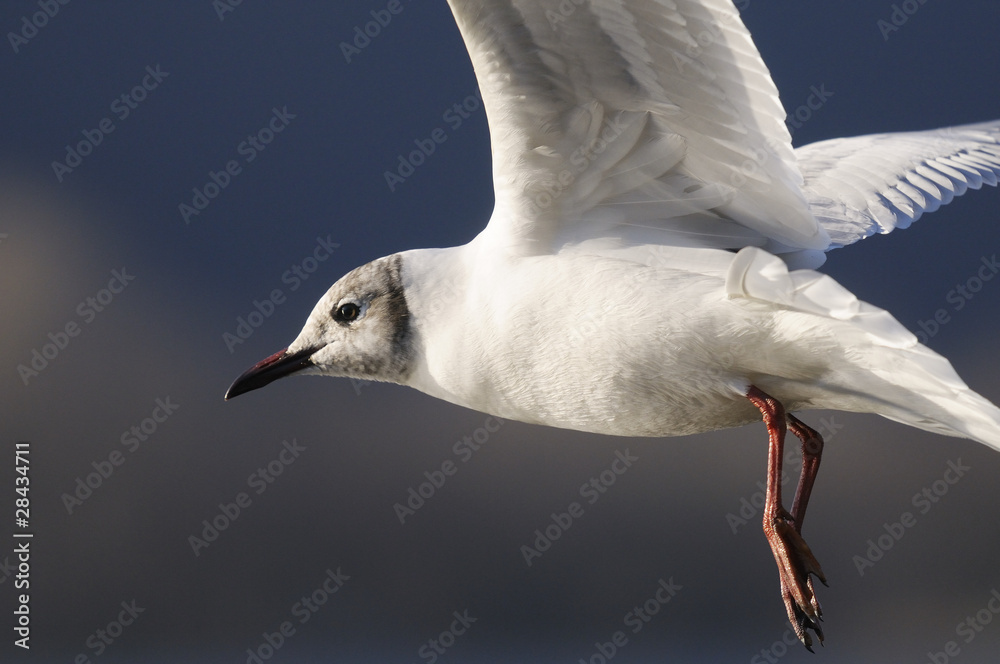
(270, 369)
(234, 390)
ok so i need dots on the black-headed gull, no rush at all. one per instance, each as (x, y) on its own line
(648, 268)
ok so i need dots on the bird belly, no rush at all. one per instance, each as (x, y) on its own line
(605, 346)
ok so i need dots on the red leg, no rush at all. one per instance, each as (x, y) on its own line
(795, 561)
(812, 451)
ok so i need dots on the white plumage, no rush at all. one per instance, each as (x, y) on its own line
(874, 184)
(638, 275)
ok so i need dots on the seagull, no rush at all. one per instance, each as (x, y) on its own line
(649, 268)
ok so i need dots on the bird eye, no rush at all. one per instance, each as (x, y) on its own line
(347, 312)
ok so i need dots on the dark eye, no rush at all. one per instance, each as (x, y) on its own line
(346, 312)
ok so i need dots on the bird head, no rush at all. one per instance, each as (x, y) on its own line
(359, 329)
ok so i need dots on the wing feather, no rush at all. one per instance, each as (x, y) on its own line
(627, 122)
(601, 108)
(874, 184)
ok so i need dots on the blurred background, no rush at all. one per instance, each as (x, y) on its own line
(155, 356)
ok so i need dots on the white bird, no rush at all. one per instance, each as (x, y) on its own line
(648, 267)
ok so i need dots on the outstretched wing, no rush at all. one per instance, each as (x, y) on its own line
(633, 121)
(864, 185)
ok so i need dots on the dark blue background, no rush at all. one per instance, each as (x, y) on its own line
(366, 445)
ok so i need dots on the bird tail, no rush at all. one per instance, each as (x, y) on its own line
(875, 364)
(920, 388)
